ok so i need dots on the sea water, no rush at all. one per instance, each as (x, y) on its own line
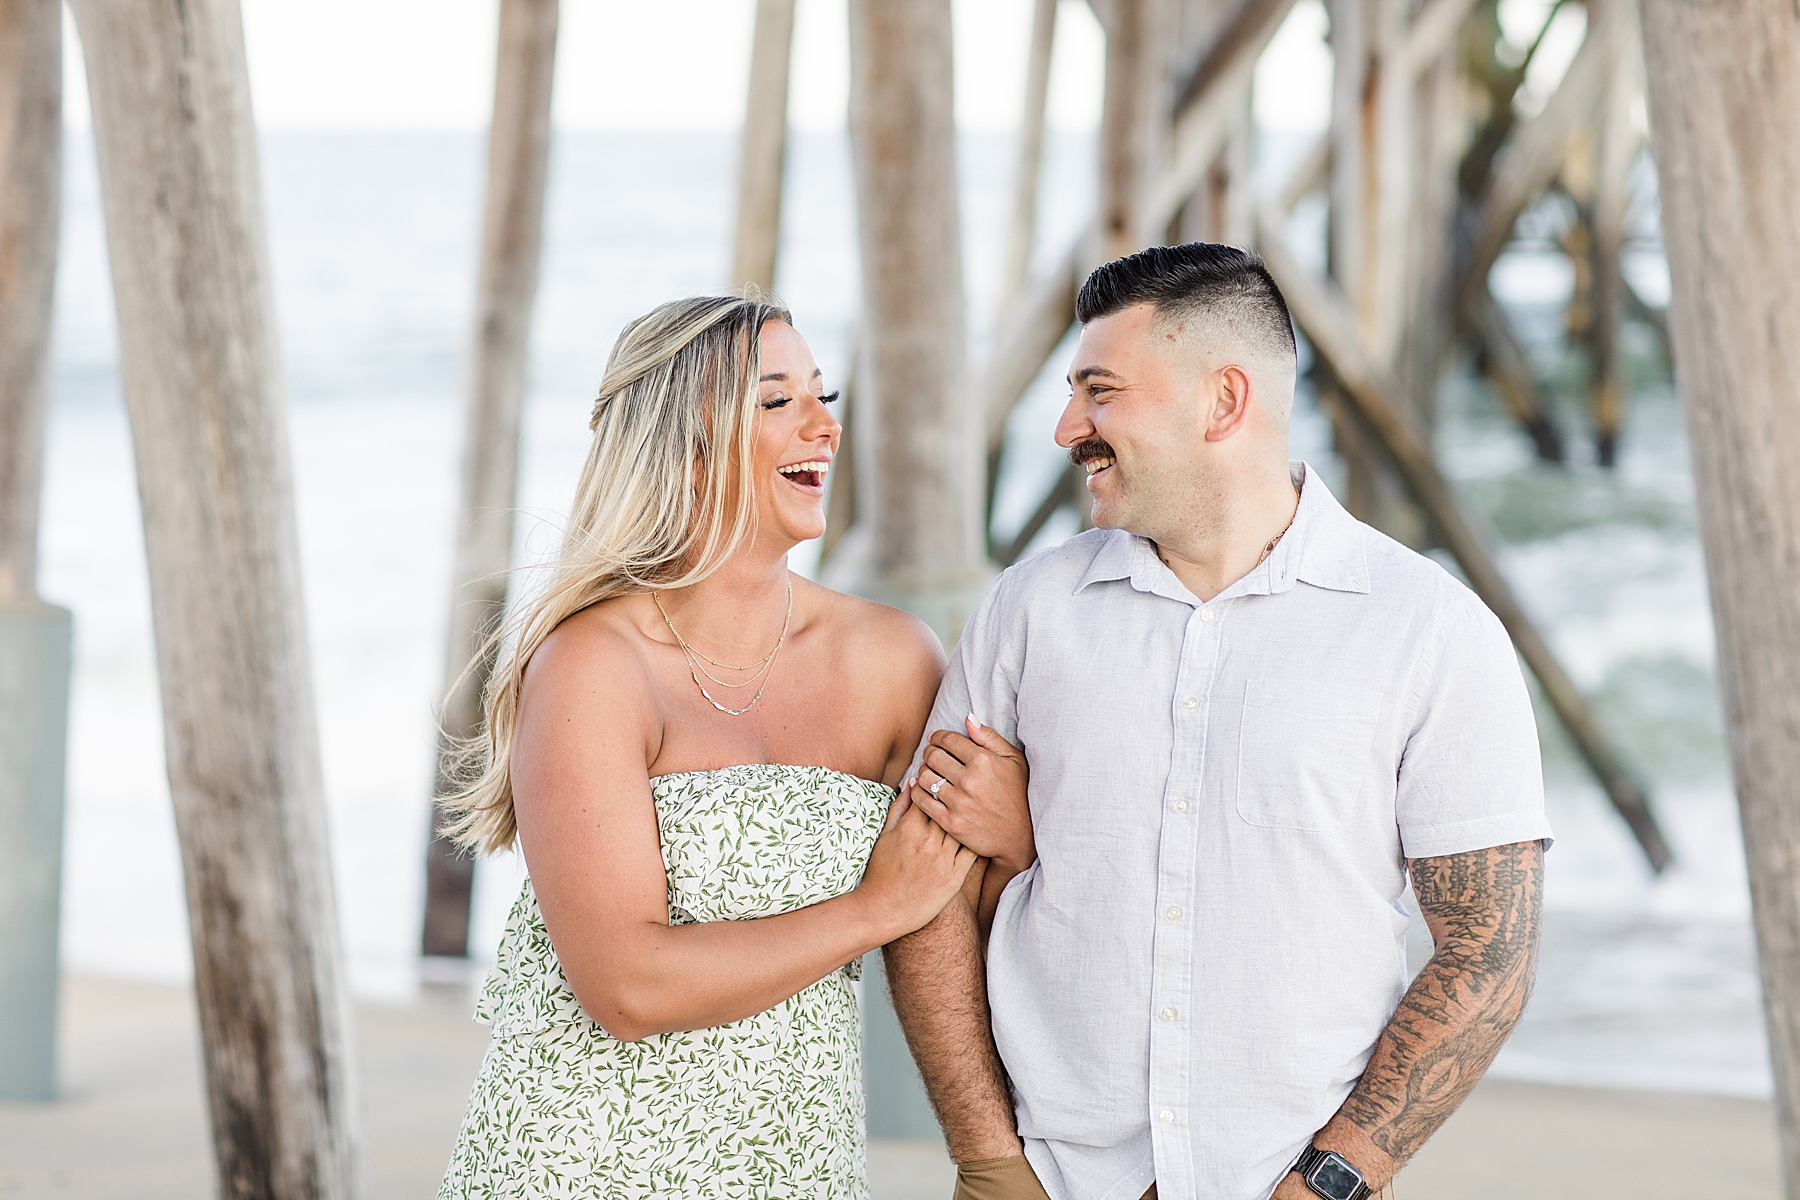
(1644, 981)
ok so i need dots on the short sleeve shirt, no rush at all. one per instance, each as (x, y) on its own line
(1188, 982)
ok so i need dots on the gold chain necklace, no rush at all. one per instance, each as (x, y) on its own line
(1270, 548)
(696, 670)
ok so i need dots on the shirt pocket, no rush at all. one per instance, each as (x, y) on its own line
(1303, 752)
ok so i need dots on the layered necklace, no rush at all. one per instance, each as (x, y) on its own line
(757, 672)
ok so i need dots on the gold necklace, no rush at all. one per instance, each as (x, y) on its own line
(1270, 548)
(696, 670)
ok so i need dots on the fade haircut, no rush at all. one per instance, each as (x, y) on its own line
(1199, 279)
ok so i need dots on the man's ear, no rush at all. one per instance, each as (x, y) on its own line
(1231, 403)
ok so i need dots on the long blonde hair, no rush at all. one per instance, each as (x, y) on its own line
(667, 494)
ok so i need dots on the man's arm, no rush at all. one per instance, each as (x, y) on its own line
(940, 995)
(1484, 910)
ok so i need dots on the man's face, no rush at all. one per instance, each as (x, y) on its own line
(1136, 420)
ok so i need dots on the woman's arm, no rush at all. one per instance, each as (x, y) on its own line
(587, 821)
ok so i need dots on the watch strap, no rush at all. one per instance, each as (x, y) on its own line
(1309, 1158)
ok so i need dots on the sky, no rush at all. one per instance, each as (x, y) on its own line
(671, 65)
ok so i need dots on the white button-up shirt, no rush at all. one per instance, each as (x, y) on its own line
(1189, 980)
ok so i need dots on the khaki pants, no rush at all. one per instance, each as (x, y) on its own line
(1013, 1179)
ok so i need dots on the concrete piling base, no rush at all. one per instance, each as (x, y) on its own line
(35, 663)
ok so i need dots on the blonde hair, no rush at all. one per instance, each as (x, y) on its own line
(666, 496)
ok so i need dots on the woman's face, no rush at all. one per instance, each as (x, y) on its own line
(796, 437)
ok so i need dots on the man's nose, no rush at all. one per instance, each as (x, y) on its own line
(1073, 426)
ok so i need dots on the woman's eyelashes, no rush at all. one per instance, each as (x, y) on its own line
(775, 402)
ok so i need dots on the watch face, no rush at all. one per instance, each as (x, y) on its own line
(1334, 1178)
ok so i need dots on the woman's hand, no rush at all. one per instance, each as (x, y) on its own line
(981, 799)
(914, 870)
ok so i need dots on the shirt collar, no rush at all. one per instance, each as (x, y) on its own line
(1323, 547)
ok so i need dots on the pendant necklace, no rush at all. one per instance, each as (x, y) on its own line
(764, 668)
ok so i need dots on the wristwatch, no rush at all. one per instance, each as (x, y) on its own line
(1329, 1175)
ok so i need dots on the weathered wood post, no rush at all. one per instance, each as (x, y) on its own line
(1616, 147)
(202, 380)
(1133, 118)
(512, 236)
(1438, 138)
(918, 422)
(1223, 207)
(1028, 166)
(1724, 93)
(34, 636)
(762, 157)
(1372, 148)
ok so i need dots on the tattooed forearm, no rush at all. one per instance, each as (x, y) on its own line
(1484, 910)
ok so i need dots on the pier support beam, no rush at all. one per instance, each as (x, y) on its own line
(182, 194)
(762, 152)
(918, 430)
(512, 237)
(1724, 92)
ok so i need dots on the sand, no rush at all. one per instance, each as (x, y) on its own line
(131, 1124)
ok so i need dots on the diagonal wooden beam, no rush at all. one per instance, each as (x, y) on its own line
(1531, 158)
(1324, 317)
(1512, 375)
(1060, 493)
(1206, 100)
(1429, 33)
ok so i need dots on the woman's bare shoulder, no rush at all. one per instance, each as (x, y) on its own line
(865, 631)
(594, 658)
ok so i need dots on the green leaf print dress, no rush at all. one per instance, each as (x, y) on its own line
(770, 1106)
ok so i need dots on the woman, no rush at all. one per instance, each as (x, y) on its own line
(696, 751)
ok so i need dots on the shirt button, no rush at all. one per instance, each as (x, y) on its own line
(1168, 1014)
(1173, 912)
(1206, 614)
(1190, 703)
(1180, 806)
(1166, 1116)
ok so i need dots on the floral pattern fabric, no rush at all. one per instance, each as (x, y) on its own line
(769, 1106)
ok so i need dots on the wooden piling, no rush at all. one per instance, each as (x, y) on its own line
(919, 450)
(1222, 208)
(511, 246)
(179, 183)
(1616, 149)
(762, 154)
(1723, 82)
(1131, 119)
(1021, 229)
(30, 212)
(1372, 149)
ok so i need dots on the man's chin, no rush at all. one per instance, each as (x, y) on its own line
(1106, 516)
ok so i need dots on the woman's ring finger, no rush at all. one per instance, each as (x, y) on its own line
(933, 789)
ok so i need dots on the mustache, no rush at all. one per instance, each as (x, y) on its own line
(1092, 447)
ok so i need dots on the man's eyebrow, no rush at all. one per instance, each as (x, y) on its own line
(1087, 373)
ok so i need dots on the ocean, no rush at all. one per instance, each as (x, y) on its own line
(1644, 982)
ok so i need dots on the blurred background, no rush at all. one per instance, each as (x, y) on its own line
(373, 119)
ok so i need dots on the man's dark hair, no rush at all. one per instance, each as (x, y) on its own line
(1191, 280)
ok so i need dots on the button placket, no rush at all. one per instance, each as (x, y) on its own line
(1172, 948)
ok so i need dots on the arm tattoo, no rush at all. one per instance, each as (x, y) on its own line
(1484, 909)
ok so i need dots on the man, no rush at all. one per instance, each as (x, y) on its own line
(1247, 717)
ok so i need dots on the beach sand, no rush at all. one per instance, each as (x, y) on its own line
(132, 1124)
